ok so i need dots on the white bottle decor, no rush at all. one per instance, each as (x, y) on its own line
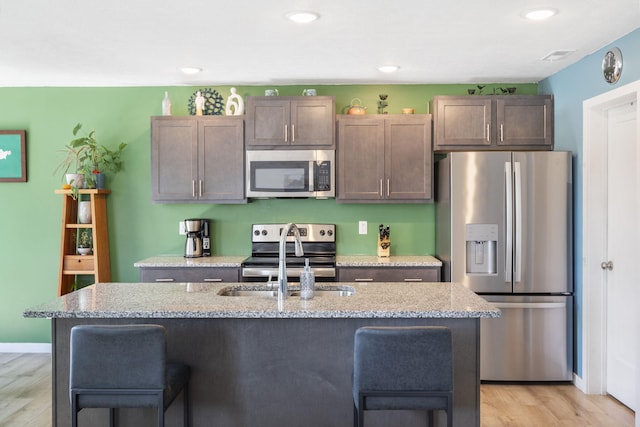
(84, 212)
(166, 105)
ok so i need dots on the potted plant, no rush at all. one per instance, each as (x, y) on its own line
(84, 242)
(96, 159)
(72, 161)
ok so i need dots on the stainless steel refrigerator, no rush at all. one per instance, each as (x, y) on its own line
(504, 230)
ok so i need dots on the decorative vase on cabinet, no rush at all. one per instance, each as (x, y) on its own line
(84, 212)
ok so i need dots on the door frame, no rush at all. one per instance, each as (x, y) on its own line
(594, 212)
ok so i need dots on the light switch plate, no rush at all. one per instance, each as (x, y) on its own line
(181, 228)
(362, 227)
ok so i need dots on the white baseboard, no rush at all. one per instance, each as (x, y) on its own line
(25, 347)
(579, 383)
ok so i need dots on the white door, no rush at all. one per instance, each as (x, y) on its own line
(622, 243)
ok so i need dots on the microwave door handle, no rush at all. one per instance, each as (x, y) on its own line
(312, 174)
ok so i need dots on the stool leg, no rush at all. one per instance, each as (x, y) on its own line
(186, 404)
(112, 417)
(430, 418)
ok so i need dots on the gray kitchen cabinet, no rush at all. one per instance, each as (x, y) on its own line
(502, 122)
(292, 122)
(385, 159)
(389, 274)
(197, 159)
(189, 274)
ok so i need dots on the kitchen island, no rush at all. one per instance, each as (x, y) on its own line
(255, 365)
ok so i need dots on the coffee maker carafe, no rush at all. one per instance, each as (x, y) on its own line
(193, 245)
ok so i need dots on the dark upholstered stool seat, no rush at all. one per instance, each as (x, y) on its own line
(399, 368)
(124, 366)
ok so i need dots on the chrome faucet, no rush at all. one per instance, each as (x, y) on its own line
(282, 256)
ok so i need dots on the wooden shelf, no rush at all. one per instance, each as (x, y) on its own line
(72, 264)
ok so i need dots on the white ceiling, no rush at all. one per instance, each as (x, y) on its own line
(249, 42)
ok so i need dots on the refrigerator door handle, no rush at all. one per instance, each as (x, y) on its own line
(529, 304)
(508, 185)
(517, 250)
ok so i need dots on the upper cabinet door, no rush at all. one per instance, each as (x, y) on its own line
(221, 160)
(525, 121)
(313, 122)
(463, 121)
(408, 158)
(267, 121)
(174, 163)
(360, 158)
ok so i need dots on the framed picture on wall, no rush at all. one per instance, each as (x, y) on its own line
(13, 156)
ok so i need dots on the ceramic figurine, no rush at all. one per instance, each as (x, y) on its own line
(382, 104)
(199, 103)
(235, 104)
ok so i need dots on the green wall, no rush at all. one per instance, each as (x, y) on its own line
(30, 212)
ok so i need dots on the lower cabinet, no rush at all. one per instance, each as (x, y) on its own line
(190, 274)
(389, 274)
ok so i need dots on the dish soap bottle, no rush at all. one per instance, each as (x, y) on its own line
(307, 281)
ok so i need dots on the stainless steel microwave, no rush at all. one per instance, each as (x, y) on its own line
(291, 173)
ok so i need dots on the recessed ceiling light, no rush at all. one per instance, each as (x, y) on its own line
(388, 68)
(302, 16)
(540, 14)
(190, 70)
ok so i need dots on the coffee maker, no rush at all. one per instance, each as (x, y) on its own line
(193, 245)
(198, 241)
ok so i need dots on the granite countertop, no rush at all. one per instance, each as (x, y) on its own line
(180, 261)
(341, 261)
(201, 300)
(392, 261)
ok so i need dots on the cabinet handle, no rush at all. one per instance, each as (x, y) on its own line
(213, 280)
(293, 133)
(488, 134)
(380, 187)
(193, 188)
(200, 188)
(166, 280)
(286, 133)
(412, 280)
(501, 132)
(362, 280)
(388, 188)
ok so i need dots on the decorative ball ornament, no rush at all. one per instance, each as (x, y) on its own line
(213, 103)
(612, 65)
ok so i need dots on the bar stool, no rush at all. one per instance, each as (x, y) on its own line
(398, 368)
(124, 366)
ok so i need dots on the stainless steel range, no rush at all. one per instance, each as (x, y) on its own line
(318, 243)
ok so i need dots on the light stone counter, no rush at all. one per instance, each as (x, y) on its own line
(201, 300)
(180, 261)
(392, 261)
(341, 261)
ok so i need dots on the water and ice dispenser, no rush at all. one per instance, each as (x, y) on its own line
(482, 243)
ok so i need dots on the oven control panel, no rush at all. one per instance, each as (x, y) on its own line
(308, 232)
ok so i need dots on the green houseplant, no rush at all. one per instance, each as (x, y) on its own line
(84, 242)
(96, 159)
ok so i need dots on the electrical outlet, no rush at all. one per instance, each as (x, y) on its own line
(362, 227)
(181, 228)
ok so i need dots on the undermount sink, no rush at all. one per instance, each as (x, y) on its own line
(263, 291)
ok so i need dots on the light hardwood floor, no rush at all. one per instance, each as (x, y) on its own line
(25, 400)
